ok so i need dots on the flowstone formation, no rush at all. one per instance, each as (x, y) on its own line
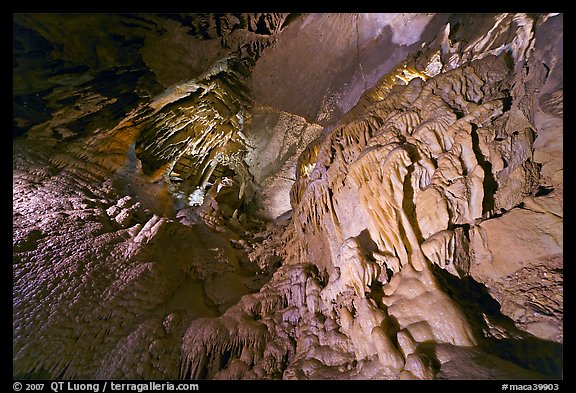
(424, 237)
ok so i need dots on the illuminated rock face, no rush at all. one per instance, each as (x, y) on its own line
(219, 230)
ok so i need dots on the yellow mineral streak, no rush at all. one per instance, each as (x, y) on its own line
(403, 72)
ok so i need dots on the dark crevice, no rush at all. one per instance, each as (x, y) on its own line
(499, 214)
(490, 184)
(517, 346)
(506, 101)
(408, 204)
(547, 71)
(366, 243)
(454, 31)
(188, 373)
(218, 23)
(225, 358)
(544, 190)
(509, 61)
(428, 352)
(393, 329)
(262, 27)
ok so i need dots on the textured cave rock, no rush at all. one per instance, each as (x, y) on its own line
(286, 196)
